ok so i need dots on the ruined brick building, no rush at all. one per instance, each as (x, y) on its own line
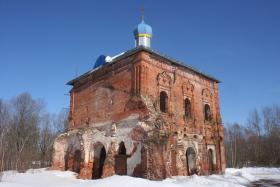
(142, 114)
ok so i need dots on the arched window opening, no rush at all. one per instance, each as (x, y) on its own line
(188, 113)
(210, 161)
(191, 161)
(121, 160)
(207, 112)
(99, 160)
(77, 161)
(163, 101)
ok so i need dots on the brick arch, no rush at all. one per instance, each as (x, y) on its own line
(211, 158)
(97, 146)
(121, 160)
(210, 154)
(77, 161)
(208, 103)
(74, 155)
(100, 155)
(191, 157)
(163, 101)
(188, 95)
(188, 107)
(207, 112)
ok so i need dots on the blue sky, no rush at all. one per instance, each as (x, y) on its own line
(44, 44)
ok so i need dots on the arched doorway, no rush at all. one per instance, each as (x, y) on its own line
(191, 161)
(121, 160)
(99, 159)
(210, 161)
(77, 161)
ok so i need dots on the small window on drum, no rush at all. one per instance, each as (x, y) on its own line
(188, 112)
(163, 101)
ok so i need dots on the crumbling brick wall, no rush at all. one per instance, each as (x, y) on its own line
(121, 103)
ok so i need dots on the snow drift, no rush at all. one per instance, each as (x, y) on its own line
(48, 178)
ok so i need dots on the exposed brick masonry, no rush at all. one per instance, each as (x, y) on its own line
(120, 104)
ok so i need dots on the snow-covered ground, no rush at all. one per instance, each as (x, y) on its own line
(46, 178)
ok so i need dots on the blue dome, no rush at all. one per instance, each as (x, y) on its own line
(143, 28)
(100, 61)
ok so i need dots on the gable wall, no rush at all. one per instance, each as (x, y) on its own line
(103, 97)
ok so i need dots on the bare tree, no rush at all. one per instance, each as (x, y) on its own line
(27, 133)
(61, 122)
(257, 143)
(50, 127)
(255, 135)
(271, 116)
(235, 145)
(4, 131)
(25, 119)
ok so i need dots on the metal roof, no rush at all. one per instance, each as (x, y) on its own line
(142, 48)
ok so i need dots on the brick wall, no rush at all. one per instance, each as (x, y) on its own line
(132, 86)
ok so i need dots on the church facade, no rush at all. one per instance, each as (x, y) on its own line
(142, 114)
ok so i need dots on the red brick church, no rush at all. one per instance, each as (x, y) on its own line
(142, 114)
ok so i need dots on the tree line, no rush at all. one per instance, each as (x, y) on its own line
(258, 142)
(27, 133)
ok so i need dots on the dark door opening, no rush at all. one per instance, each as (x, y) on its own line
(77, 161)
(210, 161)
(66, 160)
(191, 161)
(121, 160)
(98, 163)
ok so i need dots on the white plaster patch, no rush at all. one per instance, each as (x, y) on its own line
(100, 134)
(60, 147)
(134, 160)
